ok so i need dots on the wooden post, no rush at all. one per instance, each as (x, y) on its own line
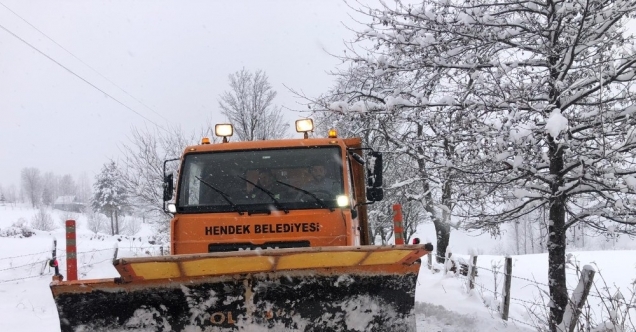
(398, 228)
(472, 271)
(579, 296)
(506, 290)
(71, 251)
(115, 253)
(430, 260)
(161, 250)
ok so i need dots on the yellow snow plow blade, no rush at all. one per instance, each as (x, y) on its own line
(366, 288)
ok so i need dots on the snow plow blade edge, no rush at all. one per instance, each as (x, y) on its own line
(303, 289)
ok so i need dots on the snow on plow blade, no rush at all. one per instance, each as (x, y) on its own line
(301, 289)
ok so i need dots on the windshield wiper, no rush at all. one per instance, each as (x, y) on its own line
(269, 193)
(320, 201)
(224, 195)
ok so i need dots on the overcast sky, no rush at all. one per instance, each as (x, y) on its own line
(173, 56)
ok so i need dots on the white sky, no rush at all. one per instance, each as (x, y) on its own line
(174, 56)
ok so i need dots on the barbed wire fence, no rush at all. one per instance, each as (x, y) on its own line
(38, 261)
(617, 306)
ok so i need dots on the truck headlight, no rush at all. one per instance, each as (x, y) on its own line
(342, 200)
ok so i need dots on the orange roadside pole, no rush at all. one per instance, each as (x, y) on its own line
(398, 227)
(71, 251)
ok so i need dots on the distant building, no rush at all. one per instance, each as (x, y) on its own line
(68, 203)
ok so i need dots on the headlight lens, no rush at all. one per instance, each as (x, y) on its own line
(342, 200)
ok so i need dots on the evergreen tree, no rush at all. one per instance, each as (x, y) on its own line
(110, 195)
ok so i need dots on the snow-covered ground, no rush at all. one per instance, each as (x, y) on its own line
(443, 301)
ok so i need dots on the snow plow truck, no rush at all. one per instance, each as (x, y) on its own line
(267, 235)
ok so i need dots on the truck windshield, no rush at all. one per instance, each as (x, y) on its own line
(254, 180)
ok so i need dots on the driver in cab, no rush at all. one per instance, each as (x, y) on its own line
(318, 181)
(267, 181)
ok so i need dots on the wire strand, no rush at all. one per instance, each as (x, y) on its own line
(80, 60)
(81, 78)
(19, 266)
(26, 255)
(16, 279)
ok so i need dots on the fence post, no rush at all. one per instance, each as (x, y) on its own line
(53, 263)
(430, 260)
(579, 296)
(506, 290)
(398, 229)
(116, 251)
(71, 251)
(472, 271)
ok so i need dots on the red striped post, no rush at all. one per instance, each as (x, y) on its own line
(71, 251)
(398, 228)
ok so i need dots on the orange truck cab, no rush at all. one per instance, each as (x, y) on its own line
(287, 193)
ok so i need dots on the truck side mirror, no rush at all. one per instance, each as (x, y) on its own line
(375, 194)
(168, 187)
(377, 169)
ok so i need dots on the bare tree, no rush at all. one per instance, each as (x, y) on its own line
(84, 191)
(43, 221)
(32, 185)
(248, 106)
(142, 162)
(11, 194)
(548, 90)
(67, 186)
(131, 226)
(49, 188)
(96, 222)
(510, 100)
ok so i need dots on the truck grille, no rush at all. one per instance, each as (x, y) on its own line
(224, 247)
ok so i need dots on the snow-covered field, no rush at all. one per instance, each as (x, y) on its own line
(443, 302)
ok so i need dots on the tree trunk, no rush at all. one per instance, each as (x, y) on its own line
(518, 252)
(531, 235)
(441, 222)
(112, 223)
(557, 238)
(556, 263)
(116, 222)
(442, 232)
